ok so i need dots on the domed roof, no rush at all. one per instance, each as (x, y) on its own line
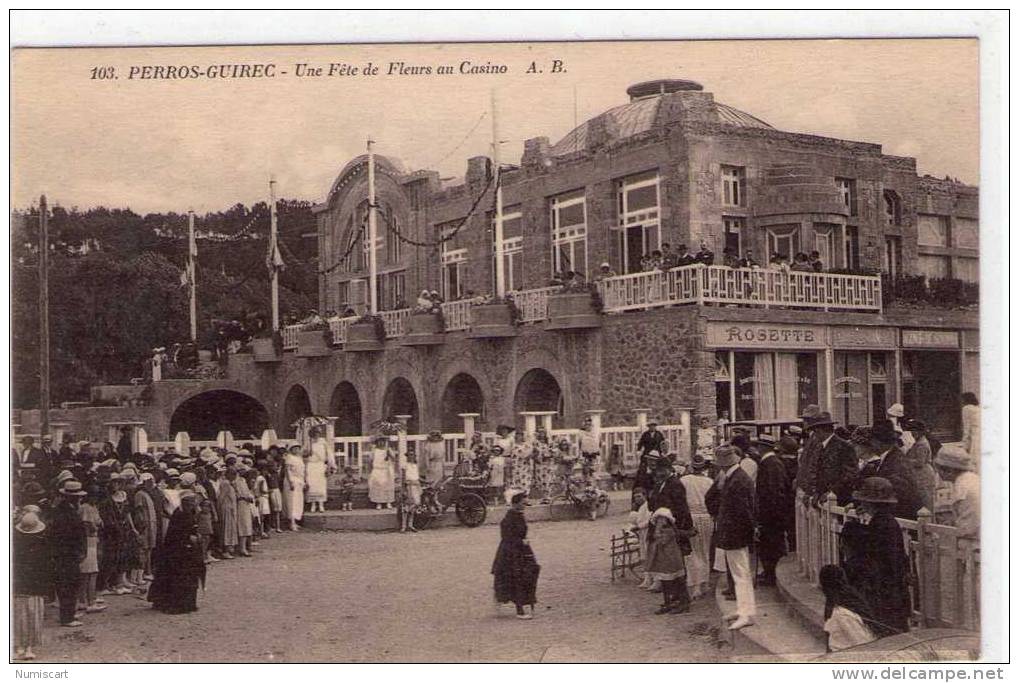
(639, 115)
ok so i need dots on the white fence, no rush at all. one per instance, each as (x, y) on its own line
(945, 567)
(696, 284)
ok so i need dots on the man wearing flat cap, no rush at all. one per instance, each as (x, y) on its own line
(837, 465)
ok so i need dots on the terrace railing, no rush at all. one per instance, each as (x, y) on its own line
(395, 322)
(457, 314)
(945, 566)
(338, 328)
(533, 303)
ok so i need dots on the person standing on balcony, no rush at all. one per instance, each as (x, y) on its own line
(748, 260)
(604, 271)
(815, 262)
(730, 259)
(705, 255)
(731, 501)
(873, 556)
(670, 259)
(684, 257)
(801, 263)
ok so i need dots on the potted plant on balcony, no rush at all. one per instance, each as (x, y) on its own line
(425, 326)
(494, 317)
(367, 333)
(313, 339)
(267, 347)
(576, 306)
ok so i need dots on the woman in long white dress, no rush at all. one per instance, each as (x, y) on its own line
(697, 484)
(381, 483)
(293, 485)
(318, 467)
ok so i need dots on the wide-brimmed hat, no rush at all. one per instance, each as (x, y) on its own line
(172, 472)
(727, 456)
(698, 463)
(810, 412)
(788, 445)
(664, 512)
(119, 496)
(883, 433)
(63, 476)
(953, 458)
(33, 489)
(188, 479)
(915, 424)
(71, 487)
(875, 490)
(30, 524)
(896, 410)
(767, 440)
(823, 419)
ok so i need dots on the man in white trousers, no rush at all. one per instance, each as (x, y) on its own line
(730, 500)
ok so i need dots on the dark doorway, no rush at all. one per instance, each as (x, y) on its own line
(295, 406)
(345, 405)
(462, 395)
(205, 415)
(400, 399)
(932, 390)
(538, 390)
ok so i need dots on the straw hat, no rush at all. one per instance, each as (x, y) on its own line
(664, 512)
(727, 456)
(698, 463)
(71, 487)
(30, 524)
(896, 410)
(953, 458)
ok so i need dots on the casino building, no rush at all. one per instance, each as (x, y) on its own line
(891, 319)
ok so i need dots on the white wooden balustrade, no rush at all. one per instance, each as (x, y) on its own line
(944, 565)
(457, 314)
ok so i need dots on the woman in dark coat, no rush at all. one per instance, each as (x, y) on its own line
(874, 557)
(179, 564)
(515, 567)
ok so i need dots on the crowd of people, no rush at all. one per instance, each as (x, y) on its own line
(736, 499)
(89, 525)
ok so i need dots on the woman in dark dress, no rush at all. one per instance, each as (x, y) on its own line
(874, 557)
(179, 564)
(515, 567)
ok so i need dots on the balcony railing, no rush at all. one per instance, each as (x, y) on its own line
(457, 314)
(697, 284)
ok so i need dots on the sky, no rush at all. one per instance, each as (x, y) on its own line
(170, 144)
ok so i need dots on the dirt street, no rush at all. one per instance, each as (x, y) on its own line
(389, 597)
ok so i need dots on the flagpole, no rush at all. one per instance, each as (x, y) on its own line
(372, 227)
(192, 274)
(273, 247)
(500, 267)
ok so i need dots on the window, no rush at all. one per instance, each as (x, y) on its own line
(893, 256)
(396, 290)
(932, 231)
(733, 186)
(847, 189)
(394, 245)
(851, 247)
(893, 207)
(512, 249)
(638, 219)
(933, 267)
(357, 230)
(569, 233)
(966, 269)
(824, 243)
(342, 296)
(454, 263)
(966, 233)
(733, 230)
(773, 385)
(783, 240)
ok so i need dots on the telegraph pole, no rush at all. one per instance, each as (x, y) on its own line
(44, 318)
(192, 275)
(273, 255)
(500, 267)
(372, 228)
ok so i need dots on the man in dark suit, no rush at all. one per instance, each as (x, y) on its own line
(889, 462)
(773, 506)
(837, 465)
(51, 454)
(809, 453)
(650, 440)
(67, 536)
(730, 500)
(668, 492)
(32, 458)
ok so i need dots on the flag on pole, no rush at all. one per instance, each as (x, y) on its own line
(274, 259)
(187, 277)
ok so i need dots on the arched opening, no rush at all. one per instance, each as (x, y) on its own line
(462, 395)
(400, 399)
(205, 415)
(538, 390)
(345, 405)
(295, 406)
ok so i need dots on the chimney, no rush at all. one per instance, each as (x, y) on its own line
(536, 153)
(479, 170)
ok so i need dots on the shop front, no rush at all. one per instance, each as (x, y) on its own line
(863, 373)
(932, 379)
(766, 371)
